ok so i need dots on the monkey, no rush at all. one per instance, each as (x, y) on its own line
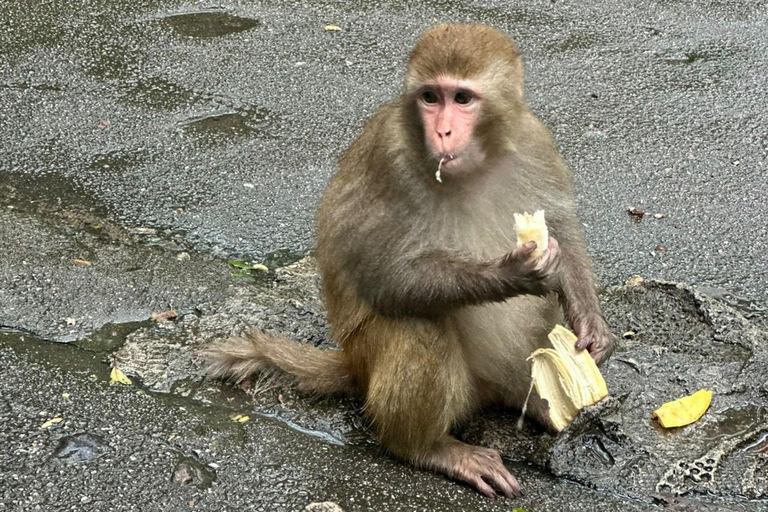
(434, 309)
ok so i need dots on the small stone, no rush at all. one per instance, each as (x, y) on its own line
(190, 471)
(79, 448)
(325, 506)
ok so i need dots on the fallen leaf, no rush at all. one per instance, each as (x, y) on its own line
(142, 231)
(332, 28)
(634, 212)
(52, 421)
(240, 418)
(634, 281)
(164, 316)
(248, 266)
(65, 395)
(116, 376)
(82, 263)
(683, 411)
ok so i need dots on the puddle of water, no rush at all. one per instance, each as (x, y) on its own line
(60, 355)
(758, 444)
(745, 306)
(324, 436)
(31, 192)
(79, 448)
(736, 423)
(206, 24)
(109, 337)
(228, 125)
(598, 450)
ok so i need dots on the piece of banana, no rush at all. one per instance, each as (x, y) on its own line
(532, 227)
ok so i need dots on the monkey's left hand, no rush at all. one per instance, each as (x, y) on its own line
(595, 336)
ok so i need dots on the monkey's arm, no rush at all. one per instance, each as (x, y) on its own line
(434, 282)
(578, 291)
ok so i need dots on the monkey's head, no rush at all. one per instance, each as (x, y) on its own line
(464, 87)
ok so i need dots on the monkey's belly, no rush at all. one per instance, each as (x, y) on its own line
(499, 337)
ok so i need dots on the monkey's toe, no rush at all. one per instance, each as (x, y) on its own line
(484, 469)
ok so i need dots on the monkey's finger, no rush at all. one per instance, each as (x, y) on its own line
(478, 483)
(505, 482)
(527, 248)
(583, 343)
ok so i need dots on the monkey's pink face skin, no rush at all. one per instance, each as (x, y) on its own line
(449, 111)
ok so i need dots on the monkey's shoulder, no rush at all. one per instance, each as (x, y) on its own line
(380, 132)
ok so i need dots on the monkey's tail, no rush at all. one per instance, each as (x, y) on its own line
(317, 370)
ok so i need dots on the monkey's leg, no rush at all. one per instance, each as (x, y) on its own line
(419, 386)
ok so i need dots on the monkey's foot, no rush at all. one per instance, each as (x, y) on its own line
(482, 468)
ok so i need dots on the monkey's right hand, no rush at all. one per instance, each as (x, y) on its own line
(522, 273)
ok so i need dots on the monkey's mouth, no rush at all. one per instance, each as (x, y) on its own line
(445, 160)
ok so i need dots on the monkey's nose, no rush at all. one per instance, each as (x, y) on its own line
(443, 133)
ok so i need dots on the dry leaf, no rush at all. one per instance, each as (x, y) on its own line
(118, 377)
(142, 231)
(636, 213)
(683, 411)
(634, 281)
(240, 418)
(52, 421)
(164, 316)
(82, 263)
(332, 28)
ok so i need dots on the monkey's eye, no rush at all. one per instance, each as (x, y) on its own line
(429, 97)
(462, 97)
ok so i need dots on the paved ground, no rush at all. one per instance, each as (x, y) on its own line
(157, 139)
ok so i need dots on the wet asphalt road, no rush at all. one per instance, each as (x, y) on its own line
(224, 128)
(216, 126)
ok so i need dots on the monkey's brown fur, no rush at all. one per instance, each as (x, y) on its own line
(433, 320)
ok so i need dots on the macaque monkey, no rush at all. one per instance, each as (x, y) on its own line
(434, 308)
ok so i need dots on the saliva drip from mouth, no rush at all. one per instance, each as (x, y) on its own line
(440, 166)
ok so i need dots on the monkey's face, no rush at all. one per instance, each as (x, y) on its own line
(449, 109)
